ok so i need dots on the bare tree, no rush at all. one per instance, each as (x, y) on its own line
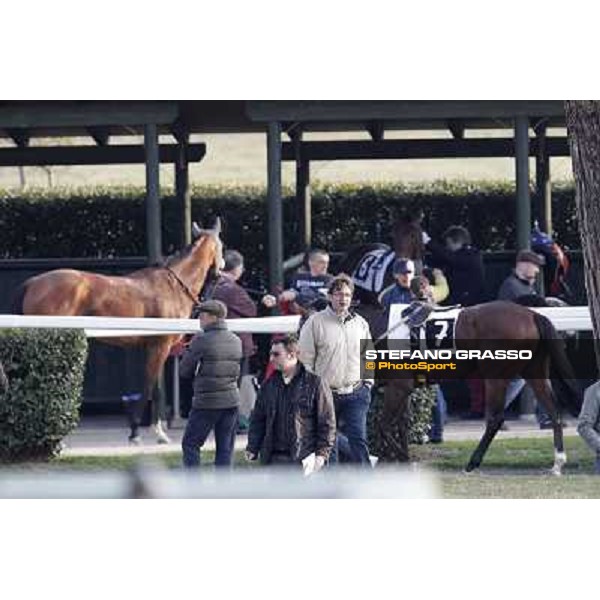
(583, 126)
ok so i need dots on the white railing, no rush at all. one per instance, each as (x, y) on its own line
(123, 326)
(567, 318)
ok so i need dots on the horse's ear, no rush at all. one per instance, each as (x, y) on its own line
(196, 231)
(217, 227)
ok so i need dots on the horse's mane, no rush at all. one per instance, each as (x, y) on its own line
(179, 255)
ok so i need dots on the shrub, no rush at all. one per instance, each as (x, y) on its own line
(421, 401)
(45, 370)
(108, 222)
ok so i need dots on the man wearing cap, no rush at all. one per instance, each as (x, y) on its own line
(399, 292)
(521, 282)
(239, 306)
(213, 359)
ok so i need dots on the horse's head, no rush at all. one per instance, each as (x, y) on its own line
(212, 236)
(408, 237)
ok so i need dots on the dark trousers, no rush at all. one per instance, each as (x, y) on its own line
(200, 423)
(351, 420)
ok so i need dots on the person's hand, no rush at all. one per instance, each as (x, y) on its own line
(250, 456)
(436, 273)
(319, 463)
(269, 301)
(287, 296)
(425, 237)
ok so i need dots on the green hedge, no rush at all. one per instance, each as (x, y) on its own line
(45, 370)
(108, 222)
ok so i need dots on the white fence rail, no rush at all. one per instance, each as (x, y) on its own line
(120, 326)
(568, 318)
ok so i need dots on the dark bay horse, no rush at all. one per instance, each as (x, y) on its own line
(504, 325)
(169, 291)
(363, 262)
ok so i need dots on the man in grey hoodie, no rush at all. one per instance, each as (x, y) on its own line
(588, 425)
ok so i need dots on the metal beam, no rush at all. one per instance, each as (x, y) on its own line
(353, 110)
(93, 155)
(20, 137)
(376, 130)
(457, 129)
(153, 216)
(522, 174)
(274, 208)
(434, 148)
(100, 135)
(87, 114)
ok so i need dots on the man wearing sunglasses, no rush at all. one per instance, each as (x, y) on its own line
(293, 417)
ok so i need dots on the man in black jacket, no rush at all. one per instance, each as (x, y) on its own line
(213, 359)
(462, 264)
(294, 415)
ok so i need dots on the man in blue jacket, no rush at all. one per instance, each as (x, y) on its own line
(399, 292)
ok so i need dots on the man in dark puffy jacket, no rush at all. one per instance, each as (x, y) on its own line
(521, 282)
(213, 359)
(294, 416)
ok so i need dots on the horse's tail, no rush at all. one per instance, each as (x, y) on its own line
(572, 398)
(16, 303)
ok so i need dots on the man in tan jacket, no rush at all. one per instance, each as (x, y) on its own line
(331, 345)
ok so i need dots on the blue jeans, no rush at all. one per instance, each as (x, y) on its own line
(438, 416)
(200, 423)
(351, 419)
(515, 386)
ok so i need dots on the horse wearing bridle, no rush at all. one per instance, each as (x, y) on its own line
(167, 291)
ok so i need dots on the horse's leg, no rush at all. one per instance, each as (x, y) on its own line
(156, 355)
(545, 395)
(495, 390)
(394, 412)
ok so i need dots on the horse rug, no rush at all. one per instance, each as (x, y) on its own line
(370, 272)
(437, 333)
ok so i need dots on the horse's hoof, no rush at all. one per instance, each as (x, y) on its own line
(468, 470)
(135, 440)
(163, 439)
(556, 472)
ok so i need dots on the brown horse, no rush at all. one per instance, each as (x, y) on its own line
(361, 261)
(502, 325)
(169, 291)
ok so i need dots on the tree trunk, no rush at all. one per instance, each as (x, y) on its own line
(583, 126)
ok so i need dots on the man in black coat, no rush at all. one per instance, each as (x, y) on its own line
(213, 359)
(462, 264)
(294, 416)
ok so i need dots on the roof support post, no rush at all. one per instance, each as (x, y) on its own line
(303, 197)
(543, 183)
(153, 218)
(522, 175)
(274, 208)
(182, 191)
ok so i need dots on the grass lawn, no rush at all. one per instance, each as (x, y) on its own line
(513, 468)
